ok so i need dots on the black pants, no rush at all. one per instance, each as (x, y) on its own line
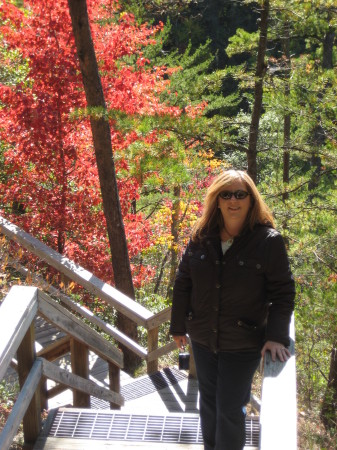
(225, 380)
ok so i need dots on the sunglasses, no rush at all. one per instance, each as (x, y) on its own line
(239, 195)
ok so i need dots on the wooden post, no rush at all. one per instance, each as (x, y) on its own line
(114, 382)
(44, 394)
(80, 366)
(152, 344)
(26, 358)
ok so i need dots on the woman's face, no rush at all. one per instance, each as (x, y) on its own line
(234, 211)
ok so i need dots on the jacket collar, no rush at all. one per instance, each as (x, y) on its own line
(213, 242)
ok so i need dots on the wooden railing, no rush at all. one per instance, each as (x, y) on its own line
(120, 302)
(278, 415)
(17, 337)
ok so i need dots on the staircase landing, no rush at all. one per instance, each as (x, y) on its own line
(160, 411)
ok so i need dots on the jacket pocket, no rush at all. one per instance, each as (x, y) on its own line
(198, 257)
(251, 264)
(249, 326)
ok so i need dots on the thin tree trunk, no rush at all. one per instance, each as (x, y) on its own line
(329, 407)
(161, 272)
(106, 168)
(258, 93)
(287, 118)
(318, 131)
(175, 235)
(328, 42)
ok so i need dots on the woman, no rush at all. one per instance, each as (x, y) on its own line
(233, 296)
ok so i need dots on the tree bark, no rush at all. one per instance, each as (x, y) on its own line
(286, 118)
(328, 42)
(106, 169)
(318, 131)
(329, 407)
(161, 272)
(175, 235)
(258, 92)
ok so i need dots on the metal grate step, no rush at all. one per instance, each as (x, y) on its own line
(110, 425)
(144, 386)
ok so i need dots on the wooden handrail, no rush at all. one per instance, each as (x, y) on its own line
(17, 313)
(278, 404)
(278, 414)
(78, 274)
(158, 318)
(15, 319)
(130, 308)
(76, 328)
(81, 310)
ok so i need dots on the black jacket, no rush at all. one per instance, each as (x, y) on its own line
(236, 301)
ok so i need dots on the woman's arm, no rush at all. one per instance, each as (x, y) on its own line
(280, 290)
(181, 297)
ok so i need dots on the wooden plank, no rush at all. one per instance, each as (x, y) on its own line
(24, 398)
(84, 312)
(73, 381)
(26, 358)
(56, 390)
(159, 318)
(114, 382)
(109, 329)
(84, 444)
(80, 367)
(161, 351)
(152, 344)
(16, 314)
(278, 417)
(78, 274)
(44, 394)
(56, 349)
(63, 319)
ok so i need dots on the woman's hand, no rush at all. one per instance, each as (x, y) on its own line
(276, 349)
(181, 341)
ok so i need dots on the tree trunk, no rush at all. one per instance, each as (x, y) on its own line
(329, 407)
(175, 235)
(258, 93)
(106, 168)
(161, 272)
(328, 42)
(318, 131)
(287, 118)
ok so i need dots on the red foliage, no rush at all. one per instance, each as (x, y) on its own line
(50, 167)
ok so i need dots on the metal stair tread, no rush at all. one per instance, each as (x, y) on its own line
(111, 425)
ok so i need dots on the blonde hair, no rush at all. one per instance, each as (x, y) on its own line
(211, 218)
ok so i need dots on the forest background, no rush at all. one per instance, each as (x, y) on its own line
(191, 87)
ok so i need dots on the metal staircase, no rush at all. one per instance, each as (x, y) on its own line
(111, 427)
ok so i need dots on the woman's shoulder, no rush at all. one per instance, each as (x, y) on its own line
(212, 236)
(266, 232)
